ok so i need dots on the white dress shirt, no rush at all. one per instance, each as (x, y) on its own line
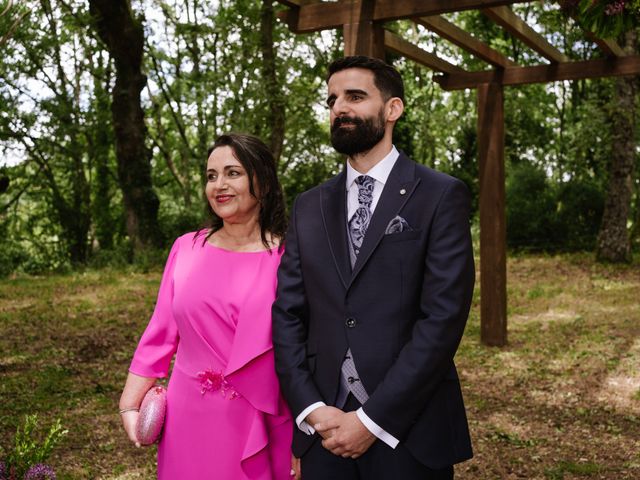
(380, 173)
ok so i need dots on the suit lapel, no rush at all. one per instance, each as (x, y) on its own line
(334, 217)
(397, 191)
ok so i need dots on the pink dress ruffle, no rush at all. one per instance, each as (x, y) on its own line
(214, 313)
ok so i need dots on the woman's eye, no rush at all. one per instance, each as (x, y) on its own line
(211, 177)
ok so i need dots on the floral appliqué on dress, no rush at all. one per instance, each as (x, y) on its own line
(211, 381)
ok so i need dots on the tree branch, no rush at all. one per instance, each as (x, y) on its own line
(167, 97)
(15, 199)
(5, 38)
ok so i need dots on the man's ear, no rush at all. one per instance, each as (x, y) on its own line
(394, 109)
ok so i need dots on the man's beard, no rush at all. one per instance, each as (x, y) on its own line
(362, 137)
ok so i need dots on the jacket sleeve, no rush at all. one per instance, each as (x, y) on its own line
(445, 299)
(290, 320)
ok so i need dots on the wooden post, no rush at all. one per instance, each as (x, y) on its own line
(493, 238)
(361, 35)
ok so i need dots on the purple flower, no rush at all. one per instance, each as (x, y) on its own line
(614, 8)
(4, 475)
(40, 471)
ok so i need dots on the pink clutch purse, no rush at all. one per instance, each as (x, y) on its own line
(151, 417)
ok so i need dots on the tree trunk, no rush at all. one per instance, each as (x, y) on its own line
(272, 88)
(124, 38)
(614, 244)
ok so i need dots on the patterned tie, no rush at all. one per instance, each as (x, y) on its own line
(358, 225)
(359, 222)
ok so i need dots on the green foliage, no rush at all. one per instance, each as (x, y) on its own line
(510, 438)
(544, 215)
(531, 208)
(583, 469)
(206, 70)
(27, 450)
(579, 212)
(606, 18)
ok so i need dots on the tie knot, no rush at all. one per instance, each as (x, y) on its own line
(365, 189)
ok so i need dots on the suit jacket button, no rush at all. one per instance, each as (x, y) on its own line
(351, 322)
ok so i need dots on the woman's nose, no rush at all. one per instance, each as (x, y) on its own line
(220, 182)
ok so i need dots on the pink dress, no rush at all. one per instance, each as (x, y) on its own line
(226, 418)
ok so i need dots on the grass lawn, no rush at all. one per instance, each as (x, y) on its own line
(561, 401)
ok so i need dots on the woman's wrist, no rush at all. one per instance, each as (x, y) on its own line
(129, 409)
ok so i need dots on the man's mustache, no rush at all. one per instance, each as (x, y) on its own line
(339, 121)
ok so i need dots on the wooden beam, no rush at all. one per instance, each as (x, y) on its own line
(402, 47)
(611, 48)
(294, 3)
(326, 15)
(493, 237)
(363, 36)
(459, 37)
(508, 20)
(603, 67)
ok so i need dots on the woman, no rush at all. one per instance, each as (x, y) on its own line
(225, 416)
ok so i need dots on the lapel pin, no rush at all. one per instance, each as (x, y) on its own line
(403, 191)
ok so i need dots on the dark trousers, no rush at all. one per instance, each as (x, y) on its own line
(380, 462)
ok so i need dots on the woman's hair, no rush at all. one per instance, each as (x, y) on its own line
(258, 161)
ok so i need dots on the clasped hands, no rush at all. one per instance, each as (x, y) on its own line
(342, 432)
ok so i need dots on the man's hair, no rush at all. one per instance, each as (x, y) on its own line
(385, 77)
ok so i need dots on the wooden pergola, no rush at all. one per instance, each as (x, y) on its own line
(362, 22)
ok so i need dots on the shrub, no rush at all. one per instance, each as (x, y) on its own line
(26, 460)
(531, 209)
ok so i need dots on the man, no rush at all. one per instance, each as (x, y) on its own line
(374, 291)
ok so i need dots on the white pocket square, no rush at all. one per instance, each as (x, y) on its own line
(397, 225)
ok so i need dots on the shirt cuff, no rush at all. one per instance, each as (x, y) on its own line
(300, 419)
(374, 428)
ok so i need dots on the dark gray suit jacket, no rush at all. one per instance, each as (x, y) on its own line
(402, 309)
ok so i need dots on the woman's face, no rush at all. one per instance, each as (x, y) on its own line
(227, 188)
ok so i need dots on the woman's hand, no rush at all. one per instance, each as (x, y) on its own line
(295, 468)
(134, 391)
(129, 421)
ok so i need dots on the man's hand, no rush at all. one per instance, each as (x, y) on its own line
(323, 414)
(348, 437)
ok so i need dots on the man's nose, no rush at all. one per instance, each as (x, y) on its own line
(339, 107)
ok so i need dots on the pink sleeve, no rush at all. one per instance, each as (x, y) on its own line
(160, 339)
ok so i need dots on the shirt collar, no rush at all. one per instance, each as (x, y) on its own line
(380, 172)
